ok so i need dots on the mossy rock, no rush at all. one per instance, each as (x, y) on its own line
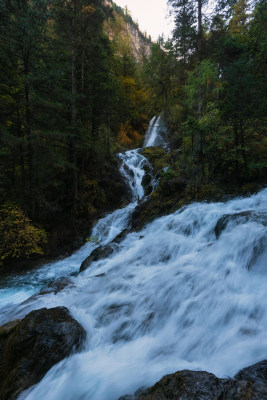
(249, 384)
(158, 157)
(103, 251)
(146, 180)
(97, 254)
(31, 346)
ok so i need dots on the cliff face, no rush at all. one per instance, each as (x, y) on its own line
(139, 43)
(122, 30)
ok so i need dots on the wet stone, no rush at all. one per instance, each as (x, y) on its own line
(249, 384)
(98, 254)
(257, 374)
(56, 286)
(100, 275)
(31, 346)
(53, 287)
(146, 180)
(104, 251)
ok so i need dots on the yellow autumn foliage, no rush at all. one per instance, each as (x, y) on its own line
(18, 237)
(128, 136)
(88, 10)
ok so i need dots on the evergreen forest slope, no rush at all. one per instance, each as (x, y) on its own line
(79, 82)
(70, 98)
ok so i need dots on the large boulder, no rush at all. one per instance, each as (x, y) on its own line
(31, 346)
(257, 374)
(138, 219)
(147, 178)
(249, 384)
(193, 385)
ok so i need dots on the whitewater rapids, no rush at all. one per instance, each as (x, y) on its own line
(188, 291)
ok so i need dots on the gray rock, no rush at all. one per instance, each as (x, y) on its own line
(31, 346)
(146, 180)
(98, 254)
(103, 251)
(249, 384)
(257, 374)
(53, 287)
(195, 385)
(57, 285)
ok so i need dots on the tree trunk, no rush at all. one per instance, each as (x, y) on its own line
(73, 155)
(200, 93)
(31, 187)
(109, 133)
(83, 55)
(21, 152)
(237, 178)
(199, 19)
(242, 139)
(166, 112)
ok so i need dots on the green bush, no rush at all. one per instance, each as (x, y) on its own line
(18, 237)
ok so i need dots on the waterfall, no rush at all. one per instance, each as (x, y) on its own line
(17, 288)
(132, 168)
(156, 133)
(186, 292)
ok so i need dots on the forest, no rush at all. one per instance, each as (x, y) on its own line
(73, 94)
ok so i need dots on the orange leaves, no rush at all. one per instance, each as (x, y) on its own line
(128, 136)
(89, 10)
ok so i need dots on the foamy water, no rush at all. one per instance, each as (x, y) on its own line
(173, 296)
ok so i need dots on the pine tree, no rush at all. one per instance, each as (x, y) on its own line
(23, 42)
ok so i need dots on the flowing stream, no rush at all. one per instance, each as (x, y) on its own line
(156, 134)
(17, 288)
(188, 291)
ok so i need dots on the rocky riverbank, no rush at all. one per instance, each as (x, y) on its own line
(67, 230)
(31, 346)
(176, 189)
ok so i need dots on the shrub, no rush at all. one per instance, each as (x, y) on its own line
(18, 237)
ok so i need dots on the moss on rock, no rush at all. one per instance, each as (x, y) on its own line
(31, 346)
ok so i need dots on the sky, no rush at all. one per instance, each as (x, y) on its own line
(151, 15)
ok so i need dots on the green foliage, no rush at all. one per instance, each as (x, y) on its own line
(158, 157)
(159, 73)
(92, 239)
(18, 237)
(65, 92)
(184, 34)
(125, 14)
(70, 98)
(168, 173)
(211, 85)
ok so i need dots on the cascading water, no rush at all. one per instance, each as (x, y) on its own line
(188, 291)
(16, 289)
(132, 168)
(156, 133)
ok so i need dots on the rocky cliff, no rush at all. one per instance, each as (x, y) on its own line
(122, 30)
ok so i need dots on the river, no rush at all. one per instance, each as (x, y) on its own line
(188, 291)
